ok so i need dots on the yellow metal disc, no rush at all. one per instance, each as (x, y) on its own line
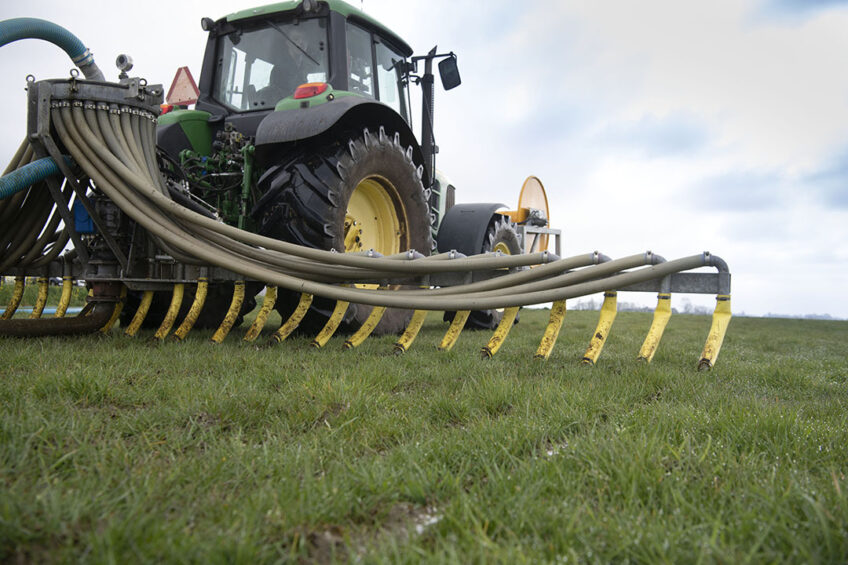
(533, 196)
(502, 247)
(375, 215)
(375, 219)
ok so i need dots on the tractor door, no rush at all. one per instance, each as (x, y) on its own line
(368, 52)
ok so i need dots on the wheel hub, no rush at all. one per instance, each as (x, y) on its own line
(374, 218)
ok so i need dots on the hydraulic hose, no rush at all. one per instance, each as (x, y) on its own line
(33, 28)
(184, 200)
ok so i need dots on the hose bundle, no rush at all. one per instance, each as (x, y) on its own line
(116, 149)
(30, 234)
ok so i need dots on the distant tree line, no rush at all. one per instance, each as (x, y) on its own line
(624, 306)
(688, 308)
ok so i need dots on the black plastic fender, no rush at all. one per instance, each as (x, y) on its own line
(342, 114)
(172, 139)
(464, 227)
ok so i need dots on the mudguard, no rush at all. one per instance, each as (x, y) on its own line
(343, 113)
(464, 227)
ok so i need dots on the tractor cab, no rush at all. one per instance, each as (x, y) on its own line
(292, 86)
(258, 57)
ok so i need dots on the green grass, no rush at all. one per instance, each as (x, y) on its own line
(123, 450)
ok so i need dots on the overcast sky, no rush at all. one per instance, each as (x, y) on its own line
(665, 125)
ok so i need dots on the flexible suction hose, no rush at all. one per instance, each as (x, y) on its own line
(26, 176)
(33, 28)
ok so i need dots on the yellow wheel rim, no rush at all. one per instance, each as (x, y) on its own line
(502, 247)
(376, 218)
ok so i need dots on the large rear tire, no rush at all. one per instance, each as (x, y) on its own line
(362, 191)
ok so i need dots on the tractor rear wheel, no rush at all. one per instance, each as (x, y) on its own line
(359, 193)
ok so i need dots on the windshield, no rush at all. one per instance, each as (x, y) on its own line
(259, 67)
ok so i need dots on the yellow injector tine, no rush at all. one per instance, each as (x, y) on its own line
(411, 331)
(294, 320)
(194, 311)
(661, 316)
(367, 327)
(41, 299)
(500, 334)
(332, 324)
(140, 314)
(171, 314)
(456, 326)
(608, 312)
(262, 317)
(15, 300)
(116, 313)
(721, 319)
(552, 330)
(232, 314)
(65, 298)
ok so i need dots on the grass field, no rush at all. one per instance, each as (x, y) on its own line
(122, 450)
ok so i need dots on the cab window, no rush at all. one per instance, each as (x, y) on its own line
(388, 76)
(360, 77)
(259, 67)
(373, 68)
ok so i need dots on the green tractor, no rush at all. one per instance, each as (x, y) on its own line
(302, 131)
(300, 144)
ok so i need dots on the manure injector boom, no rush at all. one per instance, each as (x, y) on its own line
(296, 171)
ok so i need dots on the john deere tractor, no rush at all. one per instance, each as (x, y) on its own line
(297, 171)
(303, 132)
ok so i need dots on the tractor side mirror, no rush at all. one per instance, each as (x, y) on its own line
(449, 72)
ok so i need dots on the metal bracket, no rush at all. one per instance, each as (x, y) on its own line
(53, 150)
(39, 125)
(524, 230)
(685, 283)
(44, 146)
